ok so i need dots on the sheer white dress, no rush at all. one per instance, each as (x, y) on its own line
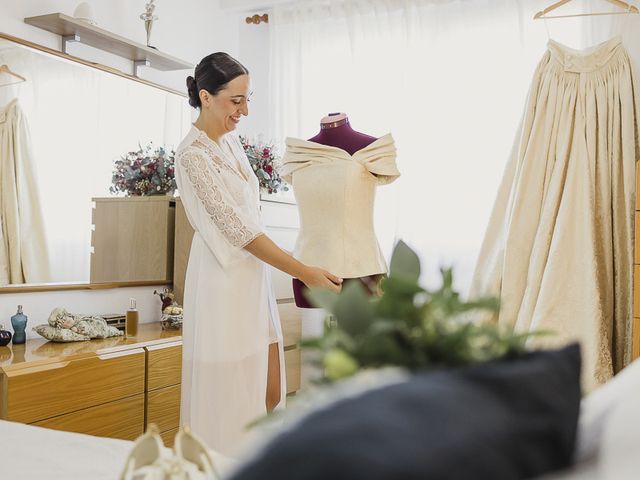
(230, 312)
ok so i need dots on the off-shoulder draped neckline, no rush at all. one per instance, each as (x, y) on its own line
(299, 142)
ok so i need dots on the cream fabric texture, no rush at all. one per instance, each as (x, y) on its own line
(23, 248)
(229, 303)
(558, 250)
(335, 193)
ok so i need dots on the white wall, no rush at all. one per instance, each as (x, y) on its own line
(253, 53)
(188, 29)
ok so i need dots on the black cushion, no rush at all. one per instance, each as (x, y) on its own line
(508, 419)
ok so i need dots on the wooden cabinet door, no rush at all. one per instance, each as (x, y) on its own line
(164, 365)
(133, 239)
(163, 408)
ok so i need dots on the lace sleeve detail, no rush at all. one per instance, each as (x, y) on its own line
(223, 214)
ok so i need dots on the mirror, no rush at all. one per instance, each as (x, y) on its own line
(56, 206)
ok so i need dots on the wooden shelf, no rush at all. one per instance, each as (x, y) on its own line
(71, 29)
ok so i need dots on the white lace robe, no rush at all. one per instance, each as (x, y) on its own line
(230, 312)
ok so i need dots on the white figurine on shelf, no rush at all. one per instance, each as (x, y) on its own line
(149, 18)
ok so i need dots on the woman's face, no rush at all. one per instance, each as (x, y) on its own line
(229, 104)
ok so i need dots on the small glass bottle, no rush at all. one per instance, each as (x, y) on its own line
(131, 324)
(19, 324)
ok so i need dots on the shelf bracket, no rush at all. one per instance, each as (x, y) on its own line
(139, 63)
(66, 39)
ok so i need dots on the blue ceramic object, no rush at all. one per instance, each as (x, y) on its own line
(19, 324)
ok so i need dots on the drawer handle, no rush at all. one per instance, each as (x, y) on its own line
(109, 356)
(154, 348)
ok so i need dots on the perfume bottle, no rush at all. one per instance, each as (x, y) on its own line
(131, 323)
(19, 324)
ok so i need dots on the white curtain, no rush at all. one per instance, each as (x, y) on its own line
(83, 119)
(447, 78)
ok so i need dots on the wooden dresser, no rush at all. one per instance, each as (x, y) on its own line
(111, 388)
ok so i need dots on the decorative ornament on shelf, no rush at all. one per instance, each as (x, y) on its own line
(19, 324)
(84, 12)
(266, 165)
(5, 336)
(171, 311)
(64, 326)
(147, 171)
(149, 18)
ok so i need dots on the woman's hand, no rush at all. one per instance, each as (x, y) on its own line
(314, 277)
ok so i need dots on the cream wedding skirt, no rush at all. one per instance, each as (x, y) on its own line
(558, 250)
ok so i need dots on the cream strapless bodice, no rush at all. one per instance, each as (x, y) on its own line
(335, 193)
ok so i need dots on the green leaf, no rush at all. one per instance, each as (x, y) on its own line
(322, 298)
(353, 309)
(339, 364)
(447, 278)
(408, 326)
(405, 264)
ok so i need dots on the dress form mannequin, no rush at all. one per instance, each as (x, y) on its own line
(335, 131)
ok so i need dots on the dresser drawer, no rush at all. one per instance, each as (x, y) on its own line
(291, 320)
(163, 408)
(120, 419)
(164, 365)
(292, 369)
(43, 391)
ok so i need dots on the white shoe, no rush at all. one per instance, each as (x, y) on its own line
(192, 449)
(147, 450)
(150, 460)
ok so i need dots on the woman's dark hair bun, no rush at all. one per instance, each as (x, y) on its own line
(192, 89)
(212, 74)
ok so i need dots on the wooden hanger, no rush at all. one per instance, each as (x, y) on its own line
(628, 9)
(7, 70)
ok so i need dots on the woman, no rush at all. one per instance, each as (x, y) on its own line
(233, 364)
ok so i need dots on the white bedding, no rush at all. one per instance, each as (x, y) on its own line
(35, 453)
(609, 431)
